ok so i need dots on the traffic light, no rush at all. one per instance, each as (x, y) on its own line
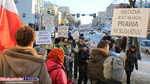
(90, 14)
(48, 12)
(73, 14)
(94, 15)
(83, 14)
(78, 15)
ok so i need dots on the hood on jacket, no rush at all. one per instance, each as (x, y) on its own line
(98, 54)
(53, 63)
(23, 61)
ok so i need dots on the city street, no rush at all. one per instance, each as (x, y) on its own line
(42, 40)
(140, 76)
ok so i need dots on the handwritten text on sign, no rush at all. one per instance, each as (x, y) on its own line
(62, 31)
(84, 28)
(47, 20)
(130, 22)
(43, 37)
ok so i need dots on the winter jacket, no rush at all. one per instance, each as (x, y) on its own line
(58, 75)
(82, 57)
(20, 61)
(131, 60)
(95, 64)
(78, 47)
(124, 42)
(118, 43)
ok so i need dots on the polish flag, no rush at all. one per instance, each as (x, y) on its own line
(9, 23)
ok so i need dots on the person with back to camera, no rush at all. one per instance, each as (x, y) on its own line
(55, 66)
(96, 65)
(131, 60)
(22, 60)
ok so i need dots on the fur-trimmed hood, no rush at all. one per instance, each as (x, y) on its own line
(98, 54)
(23, 61)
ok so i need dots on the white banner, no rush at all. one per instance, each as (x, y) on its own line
(43, 37)
(62, 31)
(75, 34)
(48, 20)
(86, 28)
(131, 22)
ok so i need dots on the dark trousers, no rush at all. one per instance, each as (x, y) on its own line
(83, 74)
(75, 68)
(69, 73)
(128, 73)
(117, 50)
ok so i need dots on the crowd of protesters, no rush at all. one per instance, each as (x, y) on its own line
(54, 64)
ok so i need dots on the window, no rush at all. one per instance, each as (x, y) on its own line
(23, 15)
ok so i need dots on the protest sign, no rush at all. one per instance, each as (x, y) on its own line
(75, 34)
(86, 28)
(62, 31)
(47, 20)
(43, 37)
(131, 22)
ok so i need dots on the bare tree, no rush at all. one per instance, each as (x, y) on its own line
(136, 43)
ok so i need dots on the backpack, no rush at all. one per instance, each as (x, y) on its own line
(113, 68)
(69, 81)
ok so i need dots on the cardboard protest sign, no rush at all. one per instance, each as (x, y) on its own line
(62, 31)
(130, 22)
(43, 37)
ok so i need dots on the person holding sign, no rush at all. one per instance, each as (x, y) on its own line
(130, 61)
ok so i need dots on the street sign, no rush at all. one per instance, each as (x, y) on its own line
(48, 20)
(75, 34)
(131, 22)
(43, 37)
(26, 23)
(62, 31)
(86, 28)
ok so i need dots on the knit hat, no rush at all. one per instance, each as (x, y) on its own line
(57, 40)
(40, 51)
(70, 38)
(58, 54)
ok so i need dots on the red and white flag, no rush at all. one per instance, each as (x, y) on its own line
(9, 23)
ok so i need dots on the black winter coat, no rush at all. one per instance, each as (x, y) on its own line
(131, 60)
(82, 57)
(124, 42)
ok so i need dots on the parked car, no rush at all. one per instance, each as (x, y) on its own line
(145, 46)
(92, 32)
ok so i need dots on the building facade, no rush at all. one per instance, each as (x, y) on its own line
(29, 10)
